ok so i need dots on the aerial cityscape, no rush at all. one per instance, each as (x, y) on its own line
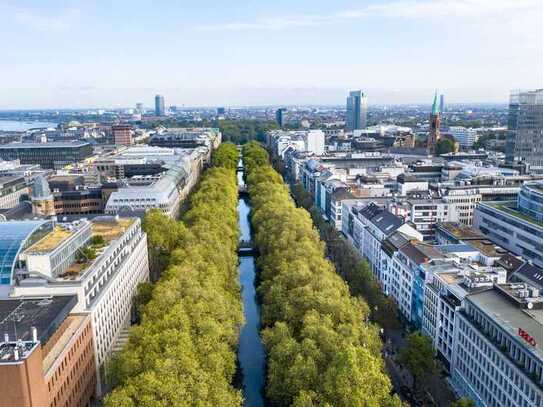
(256, 205)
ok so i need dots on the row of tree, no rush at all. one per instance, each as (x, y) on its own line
(355, 271)
(322, 350)
(183, 353)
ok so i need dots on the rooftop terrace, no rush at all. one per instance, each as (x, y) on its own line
(51, 240)
(510, 208)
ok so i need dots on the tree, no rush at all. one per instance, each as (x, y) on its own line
(321, 349)
(463, 402)
(418, 357)
(444, 146)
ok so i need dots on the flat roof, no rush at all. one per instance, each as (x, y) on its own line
(53, 144)
(50, 241)
(18, 316)
(509, 208)
(511, 317)
(460, 231)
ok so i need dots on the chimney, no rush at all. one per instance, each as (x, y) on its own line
(6, 337)
(16, 353)
(34, 334)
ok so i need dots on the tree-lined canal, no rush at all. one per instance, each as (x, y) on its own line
(252, 358)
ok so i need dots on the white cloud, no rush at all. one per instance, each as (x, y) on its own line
(408, 9)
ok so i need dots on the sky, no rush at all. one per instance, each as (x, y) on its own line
(81, 53)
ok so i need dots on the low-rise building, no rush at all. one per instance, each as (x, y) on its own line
(48, 155)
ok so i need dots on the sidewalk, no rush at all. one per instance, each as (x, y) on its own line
(438, 391)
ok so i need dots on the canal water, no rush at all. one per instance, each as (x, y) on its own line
(251, 356)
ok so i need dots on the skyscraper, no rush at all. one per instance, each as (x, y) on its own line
(357, 110)
(434, 134)
(442, 104)
(159, 105)
(525, 138)
(280, 116)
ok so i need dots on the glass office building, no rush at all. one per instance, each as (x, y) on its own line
(525, 123)
(15, 236)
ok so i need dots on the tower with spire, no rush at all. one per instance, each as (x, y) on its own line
(435, 122)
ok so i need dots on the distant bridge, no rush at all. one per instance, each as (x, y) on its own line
(243, 190)
(246, 248)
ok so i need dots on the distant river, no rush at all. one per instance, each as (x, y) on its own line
(16, 125)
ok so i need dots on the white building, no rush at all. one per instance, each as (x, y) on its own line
(109, 257)
(466, 137)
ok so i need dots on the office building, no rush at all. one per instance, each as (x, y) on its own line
(280, 116)
(357, 111)
(517, 226)
(152, 177)
(526, 128)
(187, 138)
(139, 108)
(122, 134)
(442, 103)
(46, 353)
(464, 136)
(13, 189)
(101, 262)
(53, 155)
(498, 359)
(434, 132)
(159, 106)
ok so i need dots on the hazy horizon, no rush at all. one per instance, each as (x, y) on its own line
(75, 54)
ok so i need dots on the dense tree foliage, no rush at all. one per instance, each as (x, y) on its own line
(183, 353)
(418, 357)
(321, 349)
(355, 272)
(243, 131)
(444, 146)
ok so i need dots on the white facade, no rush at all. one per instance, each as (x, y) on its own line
(105, 288)
(466, 137)
(314, 142)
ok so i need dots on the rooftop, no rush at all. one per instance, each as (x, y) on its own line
(51, 240)
(460, 231)
(510, 316)
(487, 248)
(18, 316)
(45, 145)
(509, 208)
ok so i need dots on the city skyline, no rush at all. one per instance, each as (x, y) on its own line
(71, 53)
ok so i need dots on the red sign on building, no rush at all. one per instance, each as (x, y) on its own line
(527, 337)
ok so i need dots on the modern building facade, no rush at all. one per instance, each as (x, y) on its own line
(12, 190)
(526, 128)
(48, 155)
(517, 226)
(160, 109)
(280, 116)
(357, 111)
(100, 262)
(465, 137)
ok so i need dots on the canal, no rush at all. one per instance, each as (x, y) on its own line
(251, 356)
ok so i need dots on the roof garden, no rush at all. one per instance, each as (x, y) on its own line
(510, 208)
(51, 240)
(103, 233)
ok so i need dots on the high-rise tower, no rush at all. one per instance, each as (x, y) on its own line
(159, 105)
(525, 138)
(435, 121)
(357, 110)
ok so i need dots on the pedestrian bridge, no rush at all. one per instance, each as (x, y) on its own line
(245, 248)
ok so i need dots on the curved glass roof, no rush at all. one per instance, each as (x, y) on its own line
(13, 238)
